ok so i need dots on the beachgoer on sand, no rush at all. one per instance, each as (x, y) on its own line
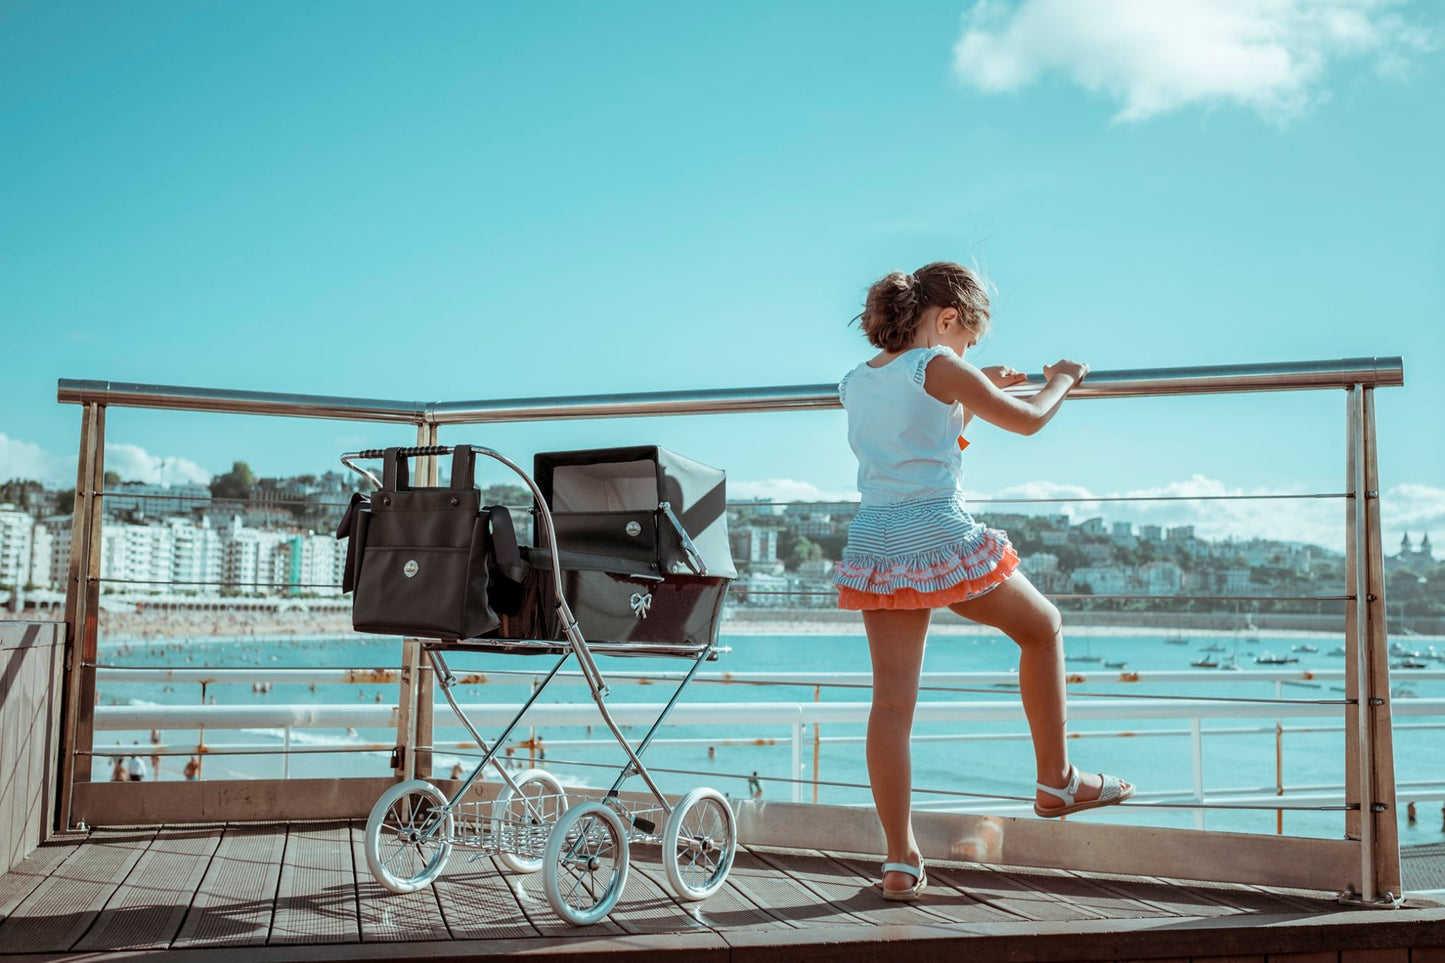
(135, 768)
(913, 546)
(193, 767)
(755, 786)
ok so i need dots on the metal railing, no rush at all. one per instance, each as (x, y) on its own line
(755, 725)
(1370, 782)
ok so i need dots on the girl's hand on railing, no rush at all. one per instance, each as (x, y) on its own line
(1002, 375)
(1073, 369)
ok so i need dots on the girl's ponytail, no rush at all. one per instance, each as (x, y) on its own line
(895, 302)
(891, 311)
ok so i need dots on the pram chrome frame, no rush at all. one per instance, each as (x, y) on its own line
(439, 820)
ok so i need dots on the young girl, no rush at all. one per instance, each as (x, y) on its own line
(913, 547)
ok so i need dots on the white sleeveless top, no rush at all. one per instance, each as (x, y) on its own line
(906, 440)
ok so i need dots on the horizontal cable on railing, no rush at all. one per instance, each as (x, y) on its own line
(1007, 500)
(1143, 598)
(238, 584)
(321, 673)
(213, 500)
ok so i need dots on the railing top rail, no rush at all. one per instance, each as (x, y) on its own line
(1129, 383)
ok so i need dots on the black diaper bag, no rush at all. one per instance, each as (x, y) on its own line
(430, 562)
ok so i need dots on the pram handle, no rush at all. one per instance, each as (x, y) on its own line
(416, 452)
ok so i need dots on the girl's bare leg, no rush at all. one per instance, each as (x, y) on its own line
(1018, 610)
(895, 641)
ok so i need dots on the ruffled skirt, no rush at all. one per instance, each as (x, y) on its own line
(922, 554)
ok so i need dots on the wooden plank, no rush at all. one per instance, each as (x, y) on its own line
(389, 917)
(948, 902)
(235, 899)
(648, 907)
(727, 909)
(1013, 896)
(1171, 899)
(31, 871)
(1398, 955)
(58, 912)
(478, 904)
(780, 896)
(1321, 957)
(527, 892)
(147, 911)
(859, 899)
(1081, 892)
(316, 897)
(1230, 899)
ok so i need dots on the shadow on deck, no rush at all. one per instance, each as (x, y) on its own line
(302, 891)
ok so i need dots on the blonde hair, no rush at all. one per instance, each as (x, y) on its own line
(895, 302)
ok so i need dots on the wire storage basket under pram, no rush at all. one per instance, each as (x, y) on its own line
(632, 541)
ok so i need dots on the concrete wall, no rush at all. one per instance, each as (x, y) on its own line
(31, 670)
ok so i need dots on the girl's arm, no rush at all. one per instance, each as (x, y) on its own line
(953, 380)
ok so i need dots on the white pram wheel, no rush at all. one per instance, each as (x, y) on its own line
(698, 844)
(409, 836)
(585, 867)
(522, 824)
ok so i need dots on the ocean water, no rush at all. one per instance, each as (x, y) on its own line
(989, 767)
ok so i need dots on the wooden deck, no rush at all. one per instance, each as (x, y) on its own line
(302, 891)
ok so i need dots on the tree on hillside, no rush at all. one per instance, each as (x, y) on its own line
(803, 550)
(235, 483)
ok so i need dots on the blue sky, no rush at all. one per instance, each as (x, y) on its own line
(468, 201)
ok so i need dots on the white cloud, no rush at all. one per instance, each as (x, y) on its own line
(1154, 57)
(24, 459)
(785, 490)
(27, 460)
(133, 463)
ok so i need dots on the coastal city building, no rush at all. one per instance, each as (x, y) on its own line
(278, 544)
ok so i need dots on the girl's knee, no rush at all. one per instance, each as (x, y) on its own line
(1044, 627)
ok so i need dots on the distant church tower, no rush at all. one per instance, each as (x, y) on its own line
(1405, 549)
(1425, 546)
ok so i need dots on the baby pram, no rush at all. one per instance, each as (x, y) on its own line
(632, 540)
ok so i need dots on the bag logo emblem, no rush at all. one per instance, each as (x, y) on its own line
(634, 529)
(640, 604)
(410, 568)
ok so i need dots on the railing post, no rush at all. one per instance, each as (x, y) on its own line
(1369, 748)
(797, 780)
(817, 742)
(1278, 760)
(1196, 743)
(414, 698)
(82, 605)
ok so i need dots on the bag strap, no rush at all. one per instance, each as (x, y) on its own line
(393, 474)
(464, 468)
(504, 543)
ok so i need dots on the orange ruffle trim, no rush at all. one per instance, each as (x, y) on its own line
(907, 598)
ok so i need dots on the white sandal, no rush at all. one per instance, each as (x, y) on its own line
(1113, 791)
(919, 874)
